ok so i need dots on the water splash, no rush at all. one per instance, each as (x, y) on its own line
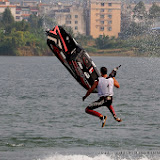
(15, 145)
(98, 157)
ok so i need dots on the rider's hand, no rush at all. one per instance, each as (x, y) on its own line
(84, 97)
(113, 73)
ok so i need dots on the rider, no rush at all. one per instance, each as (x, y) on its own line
(105, 86)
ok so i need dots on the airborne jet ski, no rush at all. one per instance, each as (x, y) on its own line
(72, 56)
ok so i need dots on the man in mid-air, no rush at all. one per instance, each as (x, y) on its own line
(105, 86)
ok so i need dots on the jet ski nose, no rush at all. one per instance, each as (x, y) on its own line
(47, 32)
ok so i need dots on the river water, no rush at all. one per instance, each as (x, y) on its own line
(42, 115)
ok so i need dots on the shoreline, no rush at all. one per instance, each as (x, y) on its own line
(30, 52)
(90, 54)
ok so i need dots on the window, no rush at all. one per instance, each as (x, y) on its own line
(76, 27)
(17, 17)
(109, 28)
(102, 16)
(109, 4)
(110, 16)
(76, 22)
(76, 16)
(102, 10)
(102, 4)
(2, 3)
(18, 12)
(109, 10)
(101, 28)
(109, 22)
(102, 22)
(68, 22)
(68, 16)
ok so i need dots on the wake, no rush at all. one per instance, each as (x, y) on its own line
(98, 157)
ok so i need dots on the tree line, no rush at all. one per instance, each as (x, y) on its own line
(136, 34)
(16, 35)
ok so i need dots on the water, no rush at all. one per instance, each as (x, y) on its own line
(42, 116)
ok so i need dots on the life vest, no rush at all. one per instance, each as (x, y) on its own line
(105, 86)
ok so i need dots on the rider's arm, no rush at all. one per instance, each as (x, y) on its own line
(116, 84)
(90, 90)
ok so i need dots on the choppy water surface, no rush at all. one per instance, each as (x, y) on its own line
(42, 116)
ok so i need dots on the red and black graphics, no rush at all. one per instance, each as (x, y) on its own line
(72, 56)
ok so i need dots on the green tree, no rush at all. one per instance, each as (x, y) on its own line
(35, 22)
(7, 18)
(17, 26)
(6, 46)
(104, 42)
(135, 29)
(154, 11)
(82, 39)
(1, 24)
(22, 26)
(140, 11)
(18, 38)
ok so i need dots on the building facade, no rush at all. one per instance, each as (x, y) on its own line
(92, 17)
(71, 15)
(105, 18)
(20, 12)
(24, 12)
(29, 3)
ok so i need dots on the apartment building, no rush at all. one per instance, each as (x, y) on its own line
(20, 12)
(29, 3)
(72, 16)
(105, 18)
(24, 12)
(44, 9)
